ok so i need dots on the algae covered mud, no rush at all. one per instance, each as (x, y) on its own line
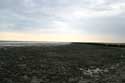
(29, 62)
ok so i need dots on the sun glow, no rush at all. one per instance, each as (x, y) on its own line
(52, 37)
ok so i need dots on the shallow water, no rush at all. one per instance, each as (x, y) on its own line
(30, 43)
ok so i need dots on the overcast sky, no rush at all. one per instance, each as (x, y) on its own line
(63, 20)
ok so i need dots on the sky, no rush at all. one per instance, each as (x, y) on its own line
(63, 20)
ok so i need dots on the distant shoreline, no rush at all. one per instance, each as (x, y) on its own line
(53, 43)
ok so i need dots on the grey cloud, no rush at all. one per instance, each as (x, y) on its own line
(48, 7)
(24, 15)
(110, 26)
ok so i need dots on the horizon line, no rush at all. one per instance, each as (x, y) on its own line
(52, 41)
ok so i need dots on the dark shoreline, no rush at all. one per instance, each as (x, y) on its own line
(33, 43)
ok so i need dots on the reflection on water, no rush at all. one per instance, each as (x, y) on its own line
(31, 43)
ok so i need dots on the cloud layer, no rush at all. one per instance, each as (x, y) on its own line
(77, 17)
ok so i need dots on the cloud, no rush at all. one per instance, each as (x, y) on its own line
(93, 17)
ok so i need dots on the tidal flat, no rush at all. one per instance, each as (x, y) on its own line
(62, 63)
